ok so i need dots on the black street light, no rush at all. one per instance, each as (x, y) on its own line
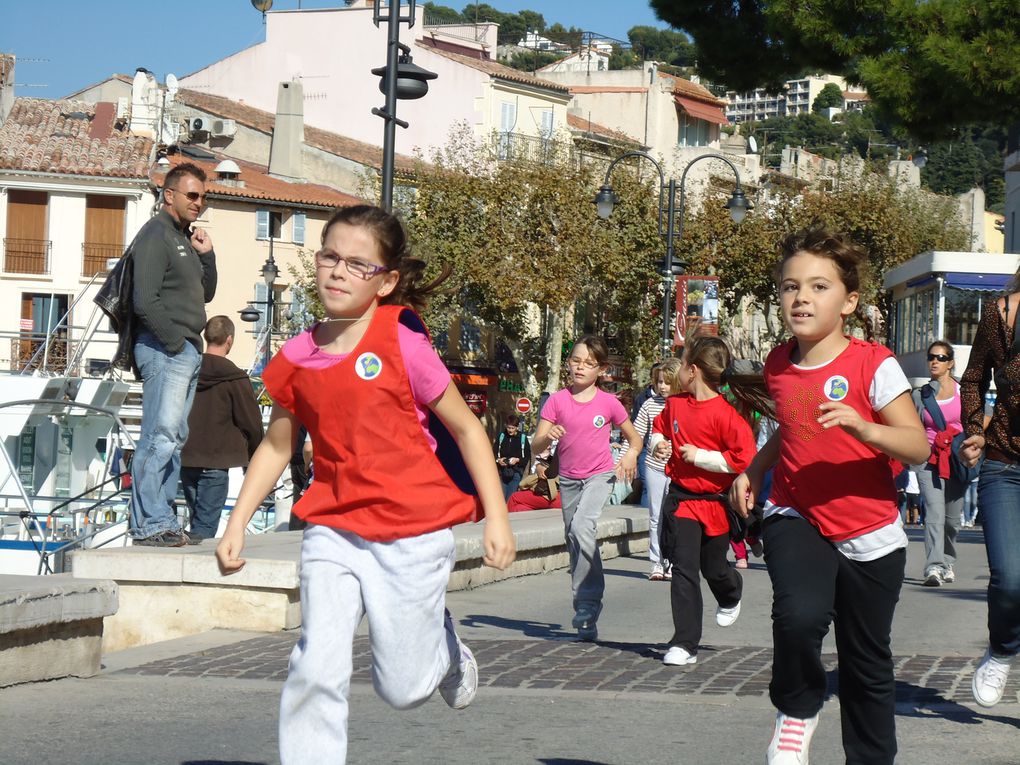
(738, 204)
(411, 82)
(269, 273)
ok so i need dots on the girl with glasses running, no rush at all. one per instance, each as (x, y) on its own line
(398, 460)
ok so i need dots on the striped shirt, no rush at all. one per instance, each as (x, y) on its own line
(643, 424)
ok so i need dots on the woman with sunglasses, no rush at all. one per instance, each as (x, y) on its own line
(941, 492)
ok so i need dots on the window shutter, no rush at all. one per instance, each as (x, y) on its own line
(262, 224)
(261, 302)
(297, 228)
(547, 123)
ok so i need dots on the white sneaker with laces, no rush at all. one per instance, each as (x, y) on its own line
(791, 740)
(677, 656)
(725, 617)
(990, 680)
(460, 685)
(948, 575)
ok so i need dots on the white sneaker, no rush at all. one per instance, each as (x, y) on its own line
(990, 680)
(725, 617)
(678, 656)
(460, 685)
(791, 740)
(948, 575)
(932, 578)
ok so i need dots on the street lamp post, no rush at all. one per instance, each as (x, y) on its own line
(670, 227)
(410, 82)
(269, 273)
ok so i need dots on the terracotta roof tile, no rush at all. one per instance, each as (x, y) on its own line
(607, 89)
(263, 121)
(258, 184)
(682, 87)
(495, 69)
(580, 123)
(42, 136)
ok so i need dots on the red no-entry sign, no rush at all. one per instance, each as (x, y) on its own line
(524, 405)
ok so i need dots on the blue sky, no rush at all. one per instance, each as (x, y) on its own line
(65, 45)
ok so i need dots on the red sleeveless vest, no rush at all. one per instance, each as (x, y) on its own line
(375, 473)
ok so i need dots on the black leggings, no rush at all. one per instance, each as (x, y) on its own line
(813, 585)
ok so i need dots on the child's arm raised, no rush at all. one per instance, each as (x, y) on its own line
(546, 433)
(467, 431)
(268, 462)
(901, 435)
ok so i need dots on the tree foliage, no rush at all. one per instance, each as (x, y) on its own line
(929, 65)
(830, 96)
(665, 45)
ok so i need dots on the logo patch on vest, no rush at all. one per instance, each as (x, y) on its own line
(368, 366)
(599, 421)
(836, 388)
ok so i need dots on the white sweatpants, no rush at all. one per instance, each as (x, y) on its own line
(657, 484)
(401, 587)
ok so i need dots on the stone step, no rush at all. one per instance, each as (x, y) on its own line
(167, 593)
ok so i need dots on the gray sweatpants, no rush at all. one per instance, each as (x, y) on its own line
(401, 587)
(583, 501)
(943, 504)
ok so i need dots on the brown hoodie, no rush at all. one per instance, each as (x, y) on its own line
(225, 424)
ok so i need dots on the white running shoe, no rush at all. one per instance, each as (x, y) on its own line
(932, 578)
(678, 656)
(990, 680)
(725, 617)
(460, 685)
(791, 740)
(948, 575)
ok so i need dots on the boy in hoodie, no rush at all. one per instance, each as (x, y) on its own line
(225, 427)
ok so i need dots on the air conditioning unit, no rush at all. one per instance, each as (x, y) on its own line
(196, 124)
(223, 128)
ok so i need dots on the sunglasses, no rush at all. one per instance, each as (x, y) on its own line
(939, 357)
(193, 196)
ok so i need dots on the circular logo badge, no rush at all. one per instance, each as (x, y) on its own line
(599, 421)
(368, 366)
(836, 388)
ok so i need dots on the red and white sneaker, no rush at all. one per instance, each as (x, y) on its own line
(790, 741)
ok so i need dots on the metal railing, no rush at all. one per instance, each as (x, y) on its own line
(94, 257)
(27, 256)
(27, 350)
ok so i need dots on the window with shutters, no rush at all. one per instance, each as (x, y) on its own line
(268, 223)
(297, 228)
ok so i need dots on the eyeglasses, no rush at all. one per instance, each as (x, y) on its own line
(939, 357)
(355, 266)
(193, 196)
(586, 363)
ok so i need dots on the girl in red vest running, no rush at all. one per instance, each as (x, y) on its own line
(834, 544)
(708, 442)
(581, 417)
(398, 459)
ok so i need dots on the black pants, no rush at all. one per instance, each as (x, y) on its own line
(813, 585)
(690, 551)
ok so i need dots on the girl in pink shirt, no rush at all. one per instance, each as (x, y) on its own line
(581, 418)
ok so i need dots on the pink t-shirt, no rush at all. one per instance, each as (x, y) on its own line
(950, 411)
(584, 449)
(426, 372)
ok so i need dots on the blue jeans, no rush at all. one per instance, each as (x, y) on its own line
(999, 498)
(168, 389)
(205, 491)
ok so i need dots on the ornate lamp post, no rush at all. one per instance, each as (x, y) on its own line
(738, 205)
(410, 82)
(269, 273)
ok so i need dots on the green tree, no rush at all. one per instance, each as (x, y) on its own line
(532, 60)
(972, 158)
(443, 14)
(559, 33)
(930, 65)
(665, 45)
(830, 96)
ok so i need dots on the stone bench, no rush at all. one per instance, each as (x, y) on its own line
(167, 593)
(52, 626)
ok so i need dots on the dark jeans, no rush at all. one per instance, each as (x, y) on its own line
(999, 500)
(205, 491)
(813, 585)
(690, 551)
(509, 487)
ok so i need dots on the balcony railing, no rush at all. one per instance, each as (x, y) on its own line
(28, 352)
(27, 256)
(510, 146)
(94, 257)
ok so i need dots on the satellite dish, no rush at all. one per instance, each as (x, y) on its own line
(262, 5)
(171, 85)
(752, 144)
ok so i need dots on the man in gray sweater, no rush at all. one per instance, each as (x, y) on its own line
(174, 277)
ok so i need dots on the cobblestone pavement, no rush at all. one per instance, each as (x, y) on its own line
(604, 667)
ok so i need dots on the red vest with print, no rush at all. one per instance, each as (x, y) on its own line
(375, 473)
(842, 486)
